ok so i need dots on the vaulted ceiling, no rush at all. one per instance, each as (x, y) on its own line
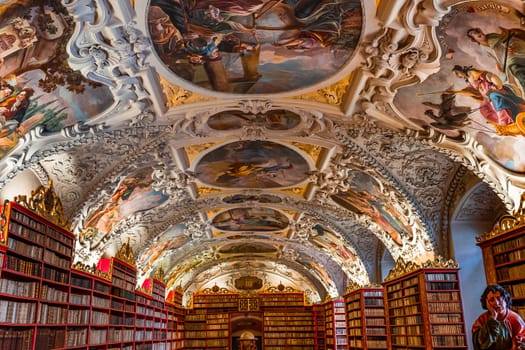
(246, 145)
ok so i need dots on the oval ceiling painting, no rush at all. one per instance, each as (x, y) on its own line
(272, 120)
(254, 46)
(252, 164)
(250, 219)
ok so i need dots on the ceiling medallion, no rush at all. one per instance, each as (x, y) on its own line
(254, 47)
(252, 164)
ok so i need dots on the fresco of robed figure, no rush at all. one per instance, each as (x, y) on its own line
(252, 164)
(254, 46)
(480, 87)
(37, 86)
(250, 219)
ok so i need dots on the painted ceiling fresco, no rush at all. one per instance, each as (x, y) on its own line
(38, 89)
(254, 46)
(480, 86)
(252, 164)
(259, 142)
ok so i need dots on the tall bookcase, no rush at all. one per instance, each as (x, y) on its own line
(503, 251)
(175, 336)
(365, 317)
(335, 321)
(46, 302)
(35, 277)
(319, 326)
(423, 306)
(89, 308)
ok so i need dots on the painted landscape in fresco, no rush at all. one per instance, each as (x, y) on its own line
(480, 87)
(365, 197)
(37, 86)
(255, 46)
(252, 164)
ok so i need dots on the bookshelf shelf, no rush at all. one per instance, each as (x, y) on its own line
(335, 325)
(423, 310)
(366, 320)
(319, 326)
(504, 260)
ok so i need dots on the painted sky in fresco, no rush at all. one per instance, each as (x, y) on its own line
(488, 63)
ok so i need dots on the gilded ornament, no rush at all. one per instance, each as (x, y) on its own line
(332, 95)
(125, 253)
(298, 191)
(280, 288)
(313, 150)
(216, 290)
(176, 96)
(160, 274)
(507, 222)
(402, 268)
(44, 202)
(203, 190)
(440, 263)
(352, 286)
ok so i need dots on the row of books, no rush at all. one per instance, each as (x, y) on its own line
(508, 245)
(17, 312)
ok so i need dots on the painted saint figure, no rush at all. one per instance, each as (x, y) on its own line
(498, 103)
(507, 48)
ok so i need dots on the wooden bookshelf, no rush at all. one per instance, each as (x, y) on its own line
(175, 313)
(319, 326)
(423, 306)
(281, 299)
(216, 301)
(89, 303)
(195, 329)
(35, 279)
(288, 328)
(503, 251)
(217, 331)
(335, 321)
(365, 317)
